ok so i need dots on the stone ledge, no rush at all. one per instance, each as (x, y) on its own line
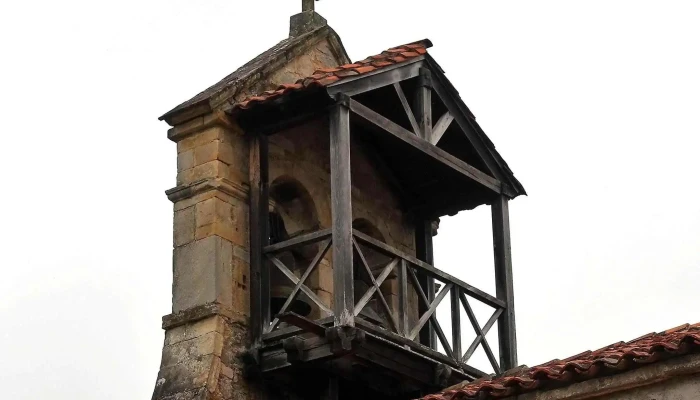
(183, 130)
(187, 191)
(198, 313)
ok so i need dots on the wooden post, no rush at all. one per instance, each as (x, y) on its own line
(422, 104)
(341, 204)
(332, 391)
(424, 252)
(456, 323)
(403, 298)
(504, 283)
(259, 238)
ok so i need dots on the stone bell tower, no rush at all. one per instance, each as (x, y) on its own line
(209, 324)
(307, 190)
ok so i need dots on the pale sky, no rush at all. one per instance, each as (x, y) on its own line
(594, 105)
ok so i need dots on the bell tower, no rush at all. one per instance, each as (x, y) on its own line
(308, 191)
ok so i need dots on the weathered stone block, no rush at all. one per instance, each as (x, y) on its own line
(210, 343)
(200, 138)
(202, 273)
(185, 160)
(183, 226)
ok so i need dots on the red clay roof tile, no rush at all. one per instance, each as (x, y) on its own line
(615, 358)
(327, 76)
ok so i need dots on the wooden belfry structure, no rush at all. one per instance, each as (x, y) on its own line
(308, 193)
(436, 169)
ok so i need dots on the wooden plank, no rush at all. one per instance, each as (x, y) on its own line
(403, 298)
(377, 291)
(303, 323)
(441, 127)
(376, 79)
(479, 333)
(290, 275)
(456, 323)
(423, 105)
(423, 351)
(436, 153)
(297, 241)
(407, 109)
(431, 310)
(487, 327)
(504, 283)
(370, 292)
(429, 269)
(466, 123)
(259, 237)
(424, 252)
(341, 211)
(283, 333)
(425, 302)
(317, 260)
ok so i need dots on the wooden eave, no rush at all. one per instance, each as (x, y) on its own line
(433, 181)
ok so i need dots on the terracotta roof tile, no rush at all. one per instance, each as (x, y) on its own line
(615, 358)
(327, 76)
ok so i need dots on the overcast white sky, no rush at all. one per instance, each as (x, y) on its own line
(594, 104)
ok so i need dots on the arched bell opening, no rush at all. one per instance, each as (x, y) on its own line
(292, 213)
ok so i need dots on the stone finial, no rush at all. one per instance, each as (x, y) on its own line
(306, 21)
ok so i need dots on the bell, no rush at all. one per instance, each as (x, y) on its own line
(281, 288)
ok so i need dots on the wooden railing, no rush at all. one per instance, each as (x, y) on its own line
(404, 322)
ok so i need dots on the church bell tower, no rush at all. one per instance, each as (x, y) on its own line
(308, 193)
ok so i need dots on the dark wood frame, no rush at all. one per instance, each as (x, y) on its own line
(342, 332)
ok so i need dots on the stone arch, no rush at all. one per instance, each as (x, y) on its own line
(292, 212)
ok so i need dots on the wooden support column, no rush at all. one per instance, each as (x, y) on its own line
(259, 238)
(422, 104)
(341, 203)
(424, 252)
(332, 391)
(504, 283)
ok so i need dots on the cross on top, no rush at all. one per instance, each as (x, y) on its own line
(307, 5)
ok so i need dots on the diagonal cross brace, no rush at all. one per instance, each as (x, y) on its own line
(433, 320)
(377, 291)
(480, 334)
(314, 263)
(290, 275)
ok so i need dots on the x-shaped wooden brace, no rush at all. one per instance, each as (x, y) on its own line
(480, 334)
(299, 283)
(430, 313)
(375, 287)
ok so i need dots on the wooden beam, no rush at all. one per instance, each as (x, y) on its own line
(456, 324)
(487, 327)
(431, 310)
(317, 260)
(479, 333)
(370, 292)
(378, 292)
(304, 323)
(437, 154)
(423, 104)
(403, 298)
(424, 252)
(341, 212)
(290, 275)
(259, 237)
(440, 127)
(377, 79)
(297, 241)
(504, 282)
(407, 109)
(427, 268)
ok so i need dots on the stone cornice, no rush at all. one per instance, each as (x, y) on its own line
(183, 192)
(217, 118)
(197, 313)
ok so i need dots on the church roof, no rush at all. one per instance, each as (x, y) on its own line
(324, 77)
(614, 359)
(257, 66)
